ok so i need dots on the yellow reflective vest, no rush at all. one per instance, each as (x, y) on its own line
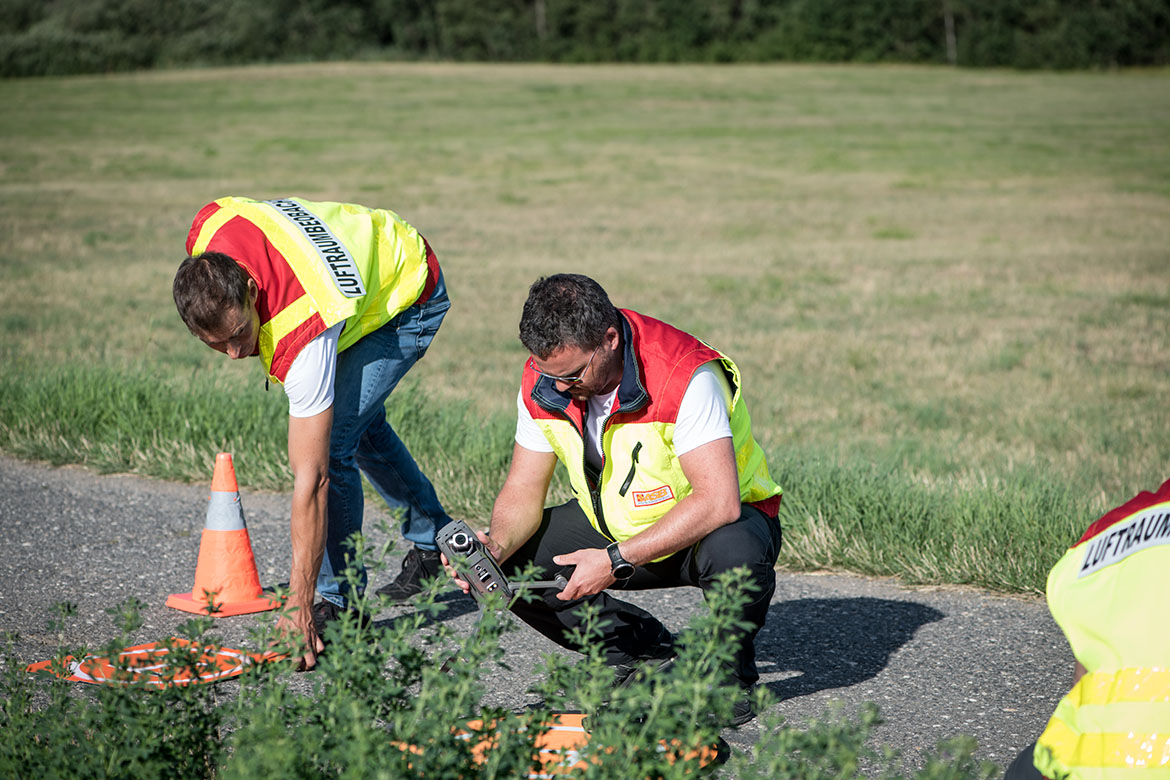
(641, 478)
(317, 264)
(1108, 594)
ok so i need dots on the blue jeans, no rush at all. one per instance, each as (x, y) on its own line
(362, 439)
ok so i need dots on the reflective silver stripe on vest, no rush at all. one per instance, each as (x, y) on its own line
(332, 252)
(1147, 528)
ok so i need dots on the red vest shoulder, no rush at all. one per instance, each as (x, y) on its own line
(197, 225)
(1131, 507)
(667, 359)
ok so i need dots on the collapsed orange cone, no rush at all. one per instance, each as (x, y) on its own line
(225, 567)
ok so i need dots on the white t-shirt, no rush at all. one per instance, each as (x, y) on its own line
(703, 416)
(309, 382)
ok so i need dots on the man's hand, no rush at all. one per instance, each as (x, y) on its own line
(489, 544)
(592, 575)
(296, 625)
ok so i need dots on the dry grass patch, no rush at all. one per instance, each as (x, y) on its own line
(966, 269)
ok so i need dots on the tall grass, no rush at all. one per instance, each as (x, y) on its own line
(846, 513)
(128, 420)
(1002, 533)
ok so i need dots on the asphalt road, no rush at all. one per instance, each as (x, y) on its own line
(939, 662)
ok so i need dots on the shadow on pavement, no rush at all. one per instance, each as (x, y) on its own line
(456, 604)
(833, 643)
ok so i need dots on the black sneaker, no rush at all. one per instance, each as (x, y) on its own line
(325, 612)
(417, 566)
(656, 659)
(744, 710)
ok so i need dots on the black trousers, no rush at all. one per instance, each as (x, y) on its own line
(1023, 767)
(752, 541)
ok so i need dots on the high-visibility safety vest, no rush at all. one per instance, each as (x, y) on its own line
(1108, 594)
(641, 478)
(317, 264)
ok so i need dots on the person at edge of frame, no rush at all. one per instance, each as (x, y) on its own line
(1107, 593)
(338, 301)
(670, 486)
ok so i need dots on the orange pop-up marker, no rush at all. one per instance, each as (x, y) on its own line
(226, 566)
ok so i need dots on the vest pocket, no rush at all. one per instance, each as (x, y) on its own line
(633, 468)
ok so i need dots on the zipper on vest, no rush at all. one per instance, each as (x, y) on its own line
(595, 494)
(633, 467)
(594, 486)
(593, 483)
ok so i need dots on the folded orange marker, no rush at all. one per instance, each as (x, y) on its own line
(151, 664)
(558, 750)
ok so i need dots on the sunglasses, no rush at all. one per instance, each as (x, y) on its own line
(569, 380)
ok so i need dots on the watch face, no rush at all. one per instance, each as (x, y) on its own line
(623, 571)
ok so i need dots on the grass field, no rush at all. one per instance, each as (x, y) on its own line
(949, 290)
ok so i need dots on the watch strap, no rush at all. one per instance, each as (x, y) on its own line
(619, 566)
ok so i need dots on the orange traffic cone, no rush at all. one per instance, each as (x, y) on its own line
(226, 567)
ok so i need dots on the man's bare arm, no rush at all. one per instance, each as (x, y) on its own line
(713, 503)
(308, 456)
(519, 506)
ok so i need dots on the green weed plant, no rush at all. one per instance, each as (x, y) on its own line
(50, 728)
(395, 700)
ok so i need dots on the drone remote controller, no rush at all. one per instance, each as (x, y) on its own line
(476, 565)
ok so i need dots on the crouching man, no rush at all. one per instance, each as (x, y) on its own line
(670, 486)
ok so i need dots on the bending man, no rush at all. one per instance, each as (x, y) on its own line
(671, 488)
(338, 301)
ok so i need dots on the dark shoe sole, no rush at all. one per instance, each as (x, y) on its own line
(641, 670)
(740, 720)
(321, 619)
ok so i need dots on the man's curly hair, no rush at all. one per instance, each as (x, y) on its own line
(566, 310)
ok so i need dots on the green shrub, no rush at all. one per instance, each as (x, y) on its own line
(56, 52)
(50, 728)
(387, 700)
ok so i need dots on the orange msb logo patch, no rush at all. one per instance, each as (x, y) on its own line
(652, 497)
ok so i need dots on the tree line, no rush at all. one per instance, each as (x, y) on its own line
(53, 37)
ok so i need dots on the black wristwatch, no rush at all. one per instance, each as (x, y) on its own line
(619, 567)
